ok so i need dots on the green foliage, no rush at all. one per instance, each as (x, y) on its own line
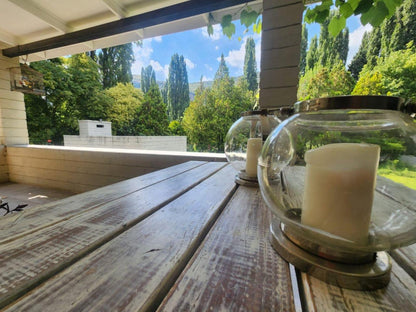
(303, 49)
(147, 78)
(360, 58)
(126, 102)
(393, 75)
(331, 49)
(178, 87)
(371, 11)
(398, 172)
(213, 111)
(115, 64)
(176, 128)
(89, 102)
(222, 71)
(151, 116)
(50, 117)
(312, 55)
(322, 82)
(250, 66)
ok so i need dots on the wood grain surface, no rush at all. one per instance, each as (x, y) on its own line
(31, 259)
(134, 270)
(236, 268)
(16, 225)
(398, 296)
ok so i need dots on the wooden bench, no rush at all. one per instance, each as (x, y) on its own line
(185, 238)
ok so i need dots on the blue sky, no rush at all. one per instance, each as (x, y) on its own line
(202, 52)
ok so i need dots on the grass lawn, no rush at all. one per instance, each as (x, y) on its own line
(399, 172)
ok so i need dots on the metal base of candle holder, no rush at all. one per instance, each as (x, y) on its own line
(243, 179)
(371, 275)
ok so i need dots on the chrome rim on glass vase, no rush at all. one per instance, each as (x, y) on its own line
(244, 141)
(339, 179)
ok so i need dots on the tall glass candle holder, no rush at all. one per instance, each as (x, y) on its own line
(325, 174)
(244, 142)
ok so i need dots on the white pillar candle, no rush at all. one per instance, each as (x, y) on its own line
(253, 151)
(339, 189)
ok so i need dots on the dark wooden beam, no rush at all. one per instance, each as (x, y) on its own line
(156, 17)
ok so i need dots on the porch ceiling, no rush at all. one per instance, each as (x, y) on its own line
(28, 27)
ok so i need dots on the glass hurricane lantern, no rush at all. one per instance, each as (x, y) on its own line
(332, 215)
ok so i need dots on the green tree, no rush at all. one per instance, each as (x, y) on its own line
(374, 47)
(360, 58)
(148, 77)
(50, 117)
(331, 49)
(116, 64)
(250, 66)
(392, 75)
(151, 116)
(178, 87)
(312, 55)
(176, 128)
(126, 102)
(303, 49)
(88, 98)
(323, 81)
(213, 111)
(222, 71)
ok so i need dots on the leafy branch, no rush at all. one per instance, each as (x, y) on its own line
(372, 12)
(248, 17)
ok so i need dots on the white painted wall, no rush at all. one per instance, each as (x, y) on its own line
(94, 128)
(158, 143)
(83, 169)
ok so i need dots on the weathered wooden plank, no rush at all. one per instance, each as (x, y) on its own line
(236, 268)
(406, 258)
(31, 259)
(279, 77)
(278, 58)
(281, 37)
(135, 269)
(277, 97)
(14, 226)
(399, 295)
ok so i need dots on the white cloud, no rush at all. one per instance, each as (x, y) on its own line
(189, 64)
(216, 35)
(157, 38)
(204, 78)
(142, 56)
(164, 70)
(217, 47)
(235, 58)
(355, 40)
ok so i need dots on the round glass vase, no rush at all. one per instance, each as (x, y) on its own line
(325, 174)
(244, 141)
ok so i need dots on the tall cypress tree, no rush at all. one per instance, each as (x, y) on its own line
(374, 46)
(250, 66)
(360, 59)
(303, 48)
(312, 56)
(116, 64)
(178, 87)
(222, 71)
(147, 78)
(405, 27)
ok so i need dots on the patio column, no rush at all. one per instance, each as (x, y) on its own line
(280, 52)
(13, 126)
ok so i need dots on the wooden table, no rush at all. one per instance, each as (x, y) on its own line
(185, 238)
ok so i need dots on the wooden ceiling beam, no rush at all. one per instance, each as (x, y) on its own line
(43, 14)
(116, 7)
(156, 17)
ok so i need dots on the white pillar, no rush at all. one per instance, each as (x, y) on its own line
(280, 52)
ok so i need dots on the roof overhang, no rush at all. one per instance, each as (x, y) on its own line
(31, 29)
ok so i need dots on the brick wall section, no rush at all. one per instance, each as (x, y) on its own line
(83, 169)
(280, 52)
